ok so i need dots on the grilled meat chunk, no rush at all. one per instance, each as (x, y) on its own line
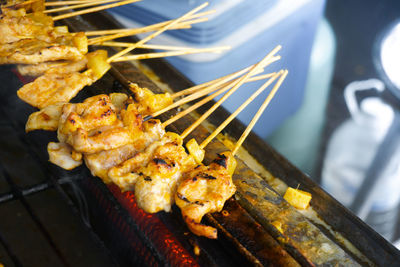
(204, 190)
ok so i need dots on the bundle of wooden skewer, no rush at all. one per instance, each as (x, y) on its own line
(120, 138)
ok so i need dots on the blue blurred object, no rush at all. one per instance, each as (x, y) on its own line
(252, 29)
(230, 15)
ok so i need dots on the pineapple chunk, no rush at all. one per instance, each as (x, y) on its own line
(80, 41)
(150, 102)
(230, 162)
(61, 29)
(21, 12)
(97, 62)
(38, 6)
(297, 198)
(174, 137)
(195, 150)
(41, 19)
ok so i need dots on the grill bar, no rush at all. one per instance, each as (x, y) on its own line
(54, 177)
(17, 193)
(5, 197)
(12, 256)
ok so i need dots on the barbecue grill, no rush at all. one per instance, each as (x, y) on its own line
(123, 234)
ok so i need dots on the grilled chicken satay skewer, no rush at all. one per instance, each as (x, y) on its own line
(65, 156)
(38, 93)
(206, 188)
(84, 142)
(58, 44)
(99, 163)
(155, 177)
(154, 173)
(122, 175)
(17, 25)
(78, 65)
(55, 86)
(48, 118)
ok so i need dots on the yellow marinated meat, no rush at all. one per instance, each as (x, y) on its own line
(52, 88)
(91, 123)
(147, 101)
(33, 51)
(100, 163)
(58, 67)
(204, 190)
(124, 175)
(156, 185)
(62, 155)
(46, 119)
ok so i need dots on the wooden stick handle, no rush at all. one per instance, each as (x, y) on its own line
(238, 110)
(145, 46)
(204, 85)
(163, 29)
(184, 24)
(171, 53)
(223, 89)
(200, 93)
(93, 9)
(18, 5)
(259, 112)
(265, 61)
(85, 4)
(63, 3)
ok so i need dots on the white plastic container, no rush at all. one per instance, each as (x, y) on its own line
(351, 150)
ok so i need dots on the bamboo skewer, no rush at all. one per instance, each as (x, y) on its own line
(226, 87)
(149, 28)
(145, 46)
(63, 3)
(259, 113)
(166, 27)
(254, 69)
(128, 32)
(196, 88)
(93, 9)
(207, 89)
(19, 4)
(239, 109)
(85, 4)
(171, 53)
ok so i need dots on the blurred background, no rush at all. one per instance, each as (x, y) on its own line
(335, 117)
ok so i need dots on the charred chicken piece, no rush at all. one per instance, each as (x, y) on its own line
(156, 185)
(58, 67)
(63, 155)
(45, 119)
(100, 163)
(52, 88)
(204, 190)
